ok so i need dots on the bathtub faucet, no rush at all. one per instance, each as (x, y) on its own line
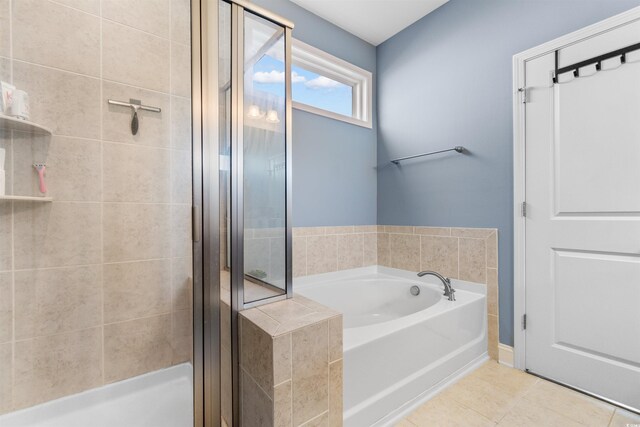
(448, 290)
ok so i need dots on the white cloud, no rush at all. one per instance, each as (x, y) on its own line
(276, 77)
(322, 82)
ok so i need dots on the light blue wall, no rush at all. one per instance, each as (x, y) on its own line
(446, 81)
(334, 176)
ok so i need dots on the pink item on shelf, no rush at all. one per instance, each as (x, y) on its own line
(41, 168)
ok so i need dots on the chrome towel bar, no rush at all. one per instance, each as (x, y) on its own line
(457, 148)
(134, 105)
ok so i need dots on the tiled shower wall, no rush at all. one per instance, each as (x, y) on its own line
(469, 254)
(95, 286)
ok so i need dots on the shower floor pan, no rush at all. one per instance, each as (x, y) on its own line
(158, 399)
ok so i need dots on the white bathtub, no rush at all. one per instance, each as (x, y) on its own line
(399, 348)
(158, 399)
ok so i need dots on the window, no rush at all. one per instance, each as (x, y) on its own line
(316, 90)
(321, 83)
(328, 86)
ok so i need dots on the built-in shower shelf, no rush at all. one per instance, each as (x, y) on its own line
(11, 123)
(27, 198)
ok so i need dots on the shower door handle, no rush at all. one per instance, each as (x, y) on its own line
(196, 225)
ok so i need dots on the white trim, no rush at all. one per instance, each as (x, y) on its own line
(519, 161)
(330, 114)
(505, 355)
(518, 220)
(320, 62)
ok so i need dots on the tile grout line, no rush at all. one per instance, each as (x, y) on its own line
(148, 33)
(283, 382)
(328, 366)
(170, 198)
(102, 195)
(13, 290)
(458, 255)
(271, 398)
(62, 70)
(475, 411)
(100, 79)
(79, 10)
(291, 374)
(613, 414)
(313, 418)
(95, 264)
(419, 252)
(362, 240)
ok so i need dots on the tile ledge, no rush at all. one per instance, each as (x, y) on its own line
(274, 328)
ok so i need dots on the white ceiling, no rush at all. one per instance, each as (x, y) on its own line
(372, 20)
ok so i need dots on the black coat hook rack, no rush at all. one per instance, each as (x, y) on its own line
(575, 68)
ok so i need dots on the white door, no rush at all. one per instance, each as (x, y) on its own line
(583, 219)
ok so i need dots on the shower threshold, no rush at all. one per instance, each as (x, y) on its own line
(161, 398)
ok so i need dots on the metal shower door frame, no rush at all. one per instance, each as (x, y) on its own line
(206, 196)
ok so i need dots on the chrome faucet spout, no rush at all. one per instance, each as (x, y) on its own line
(448, 290)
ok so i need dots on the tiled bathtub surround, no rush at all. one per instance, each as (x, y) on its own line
(95, 287)
(461, 253)
(291, 365)
(325, 249)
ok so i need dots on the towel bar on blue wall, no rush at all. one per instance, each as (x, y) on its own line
(457, 148)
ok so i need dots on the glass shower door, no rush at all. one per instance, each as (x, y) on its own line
(250, 161)
(264, 159)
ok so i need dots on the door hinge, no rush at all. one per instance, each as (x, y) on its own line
(523, 209)
(524, 321)
(524, 94)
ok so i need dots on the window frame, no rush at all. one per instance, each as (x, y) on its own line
(324, 64)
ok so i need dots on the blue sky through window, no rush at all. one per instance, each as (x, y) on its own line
(308, 87)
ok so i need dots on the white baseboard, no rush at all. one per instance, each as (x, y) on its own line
(505, 355)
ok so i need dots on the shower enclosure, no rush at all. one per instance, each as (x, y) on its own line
(246, 181)
(146, 157)
(95, 241)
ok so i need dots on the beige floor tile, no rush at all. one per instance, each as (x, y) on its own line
(404, 423)
(495, 393)
(576, 406)
(530, 414)
(510, 380)
(622, 418)
(441, 411)
(484, 397)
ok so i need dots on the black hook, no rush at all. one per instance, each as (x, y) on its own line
(134, 123)
(135, 106)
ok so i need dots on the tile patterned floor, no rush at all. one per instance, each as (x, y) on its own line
(495, 395)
